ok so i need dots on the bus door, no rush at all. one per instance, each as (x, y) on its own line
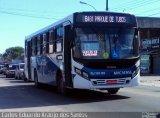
(29, 59)
(68, 37)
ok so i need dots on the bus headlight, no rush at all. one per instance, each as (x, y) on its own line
(84, 74)
(78, 71)
(137, 64)
(81, 73)
(135, 72)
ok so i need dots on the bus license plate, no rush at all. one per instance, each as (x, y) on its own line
(111, 81)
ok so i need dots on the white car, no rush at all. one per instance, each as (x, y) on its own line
(19, 73)
(1, 68)
(10, 72)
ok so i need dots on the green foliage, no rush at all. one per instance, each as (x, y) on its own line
(13, 53)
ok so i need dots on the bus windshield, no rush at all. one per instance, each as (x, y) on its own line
(105, 43)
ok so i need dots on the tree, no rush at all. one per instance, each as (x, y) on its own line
(13, 53)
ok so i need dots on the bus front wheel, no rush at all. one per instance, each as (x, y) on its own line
(36, 80)
(113, 91)
(60, 84)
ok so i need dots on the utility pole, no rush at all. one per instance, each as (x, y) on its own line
(106, 5)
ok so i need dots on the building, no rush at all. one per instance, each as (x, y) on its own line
(150, 44)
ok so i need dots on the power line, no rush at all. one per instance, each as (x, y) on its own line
(33, 12)
(27, 15)
(154, 14)
(123, 4)
(150, 10)
(24, 10)
(130, 4)
(141, 5)
(136, 5)
(21, 10)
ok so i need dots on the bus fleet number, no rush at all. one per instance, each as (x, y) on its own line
(120, 19)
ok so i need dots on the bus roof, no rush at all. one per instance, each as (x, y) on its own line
(45, 29)
(75, 19)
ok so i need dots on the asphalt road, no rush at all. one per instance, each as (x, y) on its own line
(17, 95)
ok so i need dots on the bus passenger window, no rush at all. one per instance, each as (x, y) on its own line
(58, 46)
(34, 43)
(44, 43)
(25, 48)
(38, 45)
(47, 42)
(59, 39)
(59, 33)
(30, 48)
(35, 49)
(51, 42)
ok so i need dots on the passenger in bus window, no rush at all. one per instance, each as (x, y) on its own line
(116, 48)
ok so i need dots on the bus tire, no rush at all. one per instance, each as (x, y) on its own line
(17, 77)
(113, 91)
(25, 79)
(60, 84)
(36, 83)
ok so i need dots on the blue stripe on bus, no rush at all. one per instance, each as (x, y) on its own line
(104, 73)
(46, 69)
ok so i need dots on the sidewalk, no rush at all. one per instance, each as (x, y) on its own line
(150, 80)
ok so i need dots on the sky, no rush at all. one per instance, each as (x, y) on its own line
(19, 18)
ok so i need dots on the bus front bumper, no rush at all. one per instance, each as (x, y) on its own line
(83, 83)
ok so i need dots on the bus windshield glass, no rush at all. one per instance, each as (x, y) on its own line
(105, 43)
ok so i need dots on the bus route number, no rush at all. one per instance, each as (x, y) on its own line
(120, 19)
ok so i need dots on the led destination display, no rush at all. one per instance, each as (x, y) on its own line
(103, 18)
(107, 19)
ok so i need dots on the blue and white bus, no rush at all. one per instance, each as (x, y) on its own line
(86, 50)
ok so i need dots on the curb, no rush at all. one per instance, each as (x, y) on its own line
(150, 84)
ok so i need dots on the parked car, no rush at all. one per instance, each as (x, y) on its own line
(1, 69)
(5, 68)
(11, 70)
(19, 73)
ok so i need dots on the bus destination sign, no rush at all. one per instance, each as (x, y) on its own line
(103, 19)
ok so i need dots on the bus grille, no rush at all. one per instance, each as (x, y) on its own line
(103, 81)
